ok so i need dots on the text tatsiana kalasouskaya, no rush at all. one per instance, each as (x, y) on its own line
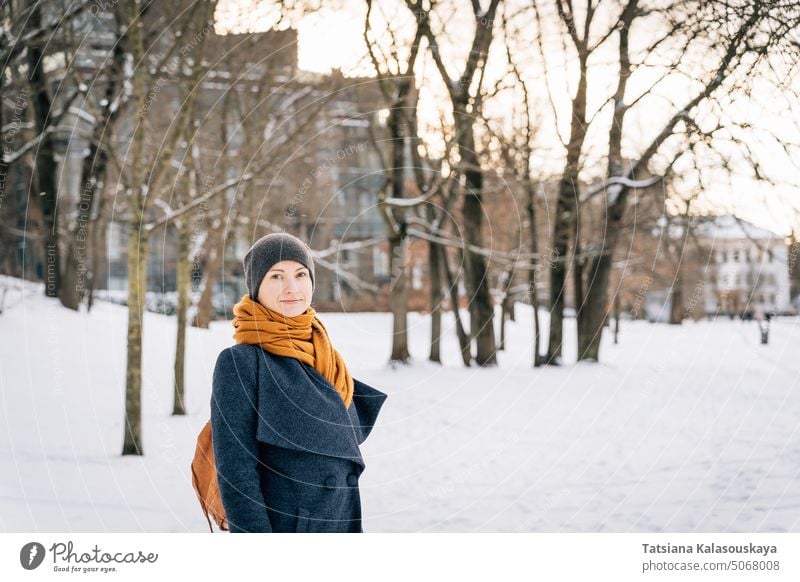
(669, 548)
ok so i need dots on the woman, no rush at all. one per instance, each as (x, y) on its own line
(287, 418)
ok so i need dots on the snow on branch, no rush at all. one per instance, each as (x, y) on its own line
(12, 157)
(615, 184)
(149, 228)
(435, 188)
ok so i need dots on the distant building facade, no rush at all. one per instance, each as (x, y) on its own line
(749, 268)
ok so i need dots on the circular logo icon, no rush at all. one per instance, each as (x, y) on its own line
(31, 555)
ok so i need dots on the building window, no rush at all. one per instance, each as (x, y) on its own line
(380, 262)
(735, 256)
(416, 277)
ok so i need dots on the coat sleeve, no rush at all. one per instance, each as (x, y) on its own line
(234, 415)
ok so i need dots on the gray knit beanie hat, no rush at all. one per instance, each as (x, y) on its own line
(272, 249)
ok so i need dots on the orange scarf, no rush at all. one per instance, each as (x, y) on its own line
(302, 337)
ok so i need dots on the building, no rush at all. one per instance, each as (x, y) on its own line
(324, 189)
(345, 178)
(748, 268)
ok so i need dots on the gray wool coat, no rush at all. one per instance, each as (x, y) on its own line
(286, 448)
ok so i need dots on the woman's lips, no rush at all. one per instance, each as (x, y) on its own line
(292, 301)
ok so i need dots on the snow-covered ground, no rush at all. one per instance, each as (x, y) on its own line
(689, 428)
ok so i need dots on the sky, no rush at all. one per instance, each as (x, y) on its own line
(333, 38)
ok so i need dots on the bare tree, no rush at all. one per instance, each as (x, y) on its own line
(27, 34)
(144, 187)
(517, 153)
(44, 160)
(396, 79)
(581, 39)
(104, 102)
(466, 108)
(753, 32)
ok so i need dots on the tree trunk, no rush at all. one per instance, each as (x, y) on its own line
(532, 284)
(398, 299)
(6, 241)
(216, 252)
(398, 287)
(98, 247)
(463, 340)
(595, 310)
(558, 277)
(476, 277)
(137, 249)
(182, 282)
(565, 217)
(137, 287)
(76, 265)
(44, 161)
(501, 345)
(506, 306)
(73, 282)
(578, 277)
(677, 311)
(676, 308)
(436, 302)
(214, 249)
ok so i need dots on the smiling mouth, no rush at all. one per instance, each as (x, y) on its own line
(291, 301)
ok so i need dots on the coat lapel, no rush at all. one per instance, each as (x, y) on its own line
(299, 409)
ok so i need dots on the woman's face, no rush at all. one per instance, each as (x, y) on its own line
(286, 288)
